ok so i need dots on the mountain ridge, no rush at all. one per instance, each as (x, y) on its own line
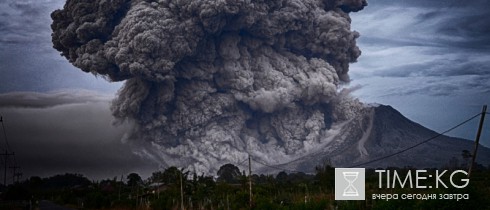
(379, 131)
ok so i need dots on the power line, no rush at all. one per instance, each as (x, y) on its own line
(275, 167)
(477, 140)
(378, 159)
(418, 144)
(243, 161)
(4, 134)
(7, 154)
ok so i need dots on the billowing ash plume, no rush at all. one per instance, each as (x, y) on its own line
(209, 80)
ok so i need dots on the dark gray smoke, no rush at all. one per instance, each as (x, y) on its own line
(209, 80)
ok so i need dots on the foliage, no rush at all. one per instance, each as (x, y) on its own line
(283, 191)
(134, 179)
(229, 173)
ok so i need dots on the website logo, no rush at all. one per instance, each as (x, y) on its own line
(350, 184)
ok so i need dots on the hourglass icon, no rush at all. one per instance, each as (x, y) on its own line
(350, 177)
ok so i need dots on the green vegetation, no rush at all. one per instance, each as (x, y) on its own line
(230, 190)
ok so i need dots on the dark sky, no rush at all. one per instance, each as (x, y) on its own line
(71, 131)
(428, 59)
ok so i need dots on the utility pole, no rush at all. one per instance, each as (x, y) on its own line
(227, 202)
(181, 192)
(6, 154)
(307, 194)
(119, 190)
(250, 179)
(14, 168)
(477, 140)
(18, 175)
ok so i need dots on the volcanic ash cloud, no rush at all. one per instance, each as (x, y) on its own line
(209, 81)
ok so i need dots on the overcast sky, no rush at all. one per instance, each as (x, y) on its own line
(428, 59)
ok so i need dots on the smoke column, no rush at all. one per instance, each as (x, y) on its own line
(208, 81)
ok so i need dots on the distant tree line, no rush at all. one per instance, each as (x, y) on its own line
(229, 189)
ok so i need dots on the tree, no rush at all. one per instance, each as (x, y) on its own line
(134, 179)
(171, 175)
(66, 181)
(325, 175)
(466, 156)
(229, 173)
(282, 177)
